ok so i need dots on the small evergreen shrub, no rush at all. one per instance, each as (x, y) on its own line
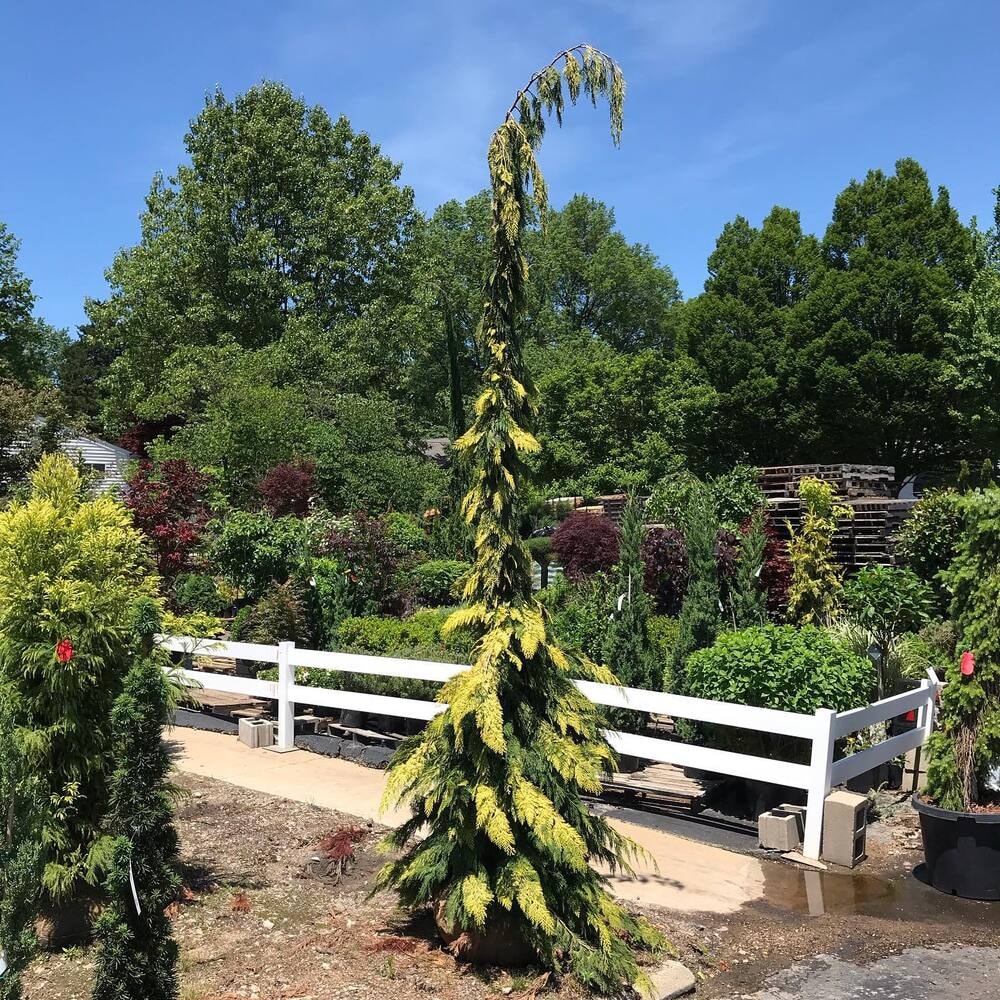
(814, 591)
(137, 959)
(700, 617)
(966, 747)
(198, 592)
(436, 582)
(20, 852)
(585, 544)
(72, 570)
(627, 650)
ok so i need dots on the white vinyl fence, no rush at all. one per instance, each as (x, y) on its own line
(822, 729)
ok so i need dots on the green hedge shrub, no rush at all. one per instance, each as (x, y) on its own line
(928, 539)
(255, 550)
(198, 592)
(781, 667)
(436, 581)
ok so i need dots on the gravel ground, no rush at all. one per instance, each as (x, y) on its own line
(252, 926)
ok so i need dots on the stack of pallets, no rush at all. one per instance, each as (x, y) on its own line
(865, 539)
(850, 481)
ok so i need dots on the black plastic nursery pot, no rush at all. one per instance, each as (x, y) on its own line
(961, 851)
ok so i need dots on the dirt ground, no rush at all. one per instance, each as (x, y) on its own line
(252, 925)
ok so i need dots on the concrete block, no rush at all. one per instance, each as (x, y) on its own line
(376, 757)
(845, 828)
(669, 980)
(799, 812)
(256, 733)
(778, 833)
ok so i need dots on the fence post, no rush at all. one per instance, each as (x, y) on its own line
(286, 707)
(820, 777)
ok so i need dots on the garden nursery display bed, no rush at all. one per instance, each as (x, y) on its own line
(271, 912)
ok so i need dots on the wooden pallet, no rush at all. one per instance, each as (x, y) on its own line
(663, 781)
(849, 480)
(222, 702)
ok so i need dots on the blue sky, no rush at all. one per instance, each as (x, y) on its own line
(733, 106)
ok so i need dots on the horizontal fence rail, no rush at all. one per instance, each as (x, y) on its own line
(822, 729)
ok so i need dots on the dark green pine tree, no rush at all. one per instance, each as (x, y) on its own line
(138, 956)
(20, 854)
(628, 652)
(747, 597)
(700, 612)
(497, 780)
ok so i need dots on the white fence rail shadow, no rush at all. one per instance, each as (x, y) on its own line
(822, 729)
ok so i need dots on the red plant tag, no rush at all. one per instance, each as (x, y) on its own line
(968, 664)
(64, 651)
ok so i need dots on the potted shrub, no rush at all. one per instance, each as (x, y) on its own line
(960, 812)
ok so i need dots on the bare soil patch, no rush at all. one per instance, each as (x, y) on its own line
(255, 921)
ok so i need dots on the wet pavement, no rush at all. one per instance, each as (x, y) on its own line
(950, 973)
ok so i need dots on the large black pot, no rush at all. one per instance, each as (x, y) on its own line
(961, 851)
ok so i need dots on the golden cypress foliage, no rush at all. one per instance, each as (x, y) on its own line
(497, 779)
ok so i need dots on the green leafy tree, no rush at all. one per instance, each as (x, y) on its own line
(888, 602)
(700, 613)
(841, 348)
(282, 222)
(20, 852)
(29, 348)
(138, 957)
(587, 282)
(611, 419)
(497, 778)
(628, 651)
(966, 746)
(71, 569)
(814, 593)
(929, 537)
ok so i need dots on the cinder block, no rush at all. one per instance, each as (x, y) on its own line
(845, 828)
(256, 733)
(799, 812)
(376, 757)
(779, 833)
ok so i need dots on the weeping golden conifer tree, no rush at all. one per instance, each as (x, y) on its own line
(497, 779)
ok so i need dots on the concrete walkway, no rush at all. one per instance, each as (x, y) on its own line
(691, 877)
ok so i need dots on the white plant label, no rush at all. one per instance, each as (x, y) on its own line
(3, 964)
(135, 895)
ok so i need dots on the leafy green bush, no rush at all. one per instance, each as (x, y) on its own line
(888, 603)
(928, 539)
(737, 496)
(781, 667)
(282, 614)
(198, 592)
(406, 532)
(580, 613)
(255, 550)
(436, 581)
